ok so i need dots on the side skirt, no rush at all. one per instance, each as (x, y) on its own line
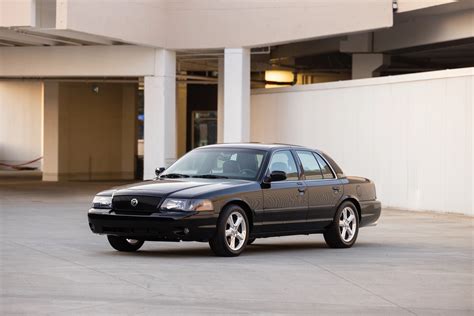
(287, 233)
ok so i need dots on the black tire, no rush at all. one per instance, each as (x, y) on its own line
(219, 242)
(334, 233)
(124, 244)
(250, 241)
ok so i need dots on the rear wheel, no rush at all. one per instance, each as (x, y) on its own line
(232, 232)
(124, 244)
(344, 230)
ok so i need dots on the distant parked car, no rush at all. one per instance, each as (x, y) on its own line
(231, 194)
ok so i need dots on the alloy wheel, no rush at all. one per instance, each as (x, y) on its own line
(235, 231)
(347, 224)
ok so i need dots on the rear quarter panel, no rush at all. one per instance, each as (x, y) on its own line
(359, 187)
(363, 191)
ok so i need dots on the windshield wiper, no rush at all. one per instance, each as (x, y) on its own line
(210, 176)
(174, 175)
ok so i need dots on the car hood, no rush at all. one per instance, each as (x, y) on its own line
(165, 187)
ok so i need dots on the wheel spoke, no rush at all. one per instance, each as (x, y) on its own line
(232, 242)
(228, 232)
(240, 236)
(238, 221)
(350, 218)
(344, 214)
(230, 221)
(349, 230)
(341, 223)
(343, 234)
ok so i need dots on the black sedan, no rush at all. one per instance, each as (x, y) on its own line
(231, 194)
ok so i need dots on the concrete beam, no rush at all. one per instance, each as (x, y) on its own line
(68, 61)
(364, 65)
(424, 30)
(357, 43)
(21, 38)
(323, 46)
(172, 24)
(410, 5)
(75, 36)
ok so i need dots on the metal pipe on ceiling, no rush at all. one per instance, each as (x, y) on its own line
(52, 38)
(219, 54)
(195, 77)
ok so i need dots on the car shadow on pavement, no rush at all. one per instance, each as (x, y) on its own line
(252, 250)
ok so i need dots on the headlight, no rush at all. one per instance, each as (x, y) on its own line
(187, 205)
(102, 202)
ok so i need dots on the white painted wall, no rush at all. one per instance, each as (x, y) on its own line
(20, 121)
(411, 134)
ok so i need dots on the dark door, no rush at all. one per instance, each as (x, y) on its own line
(324, 190)
(285, 202)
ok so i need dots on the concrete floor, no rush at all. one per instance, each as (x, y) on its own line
(411, 263)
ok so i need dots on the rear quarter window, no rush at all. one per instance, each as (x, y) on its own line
(334, 165)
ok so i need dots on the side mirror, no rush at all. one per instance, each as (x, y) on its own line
(277, 176)
(159, 171)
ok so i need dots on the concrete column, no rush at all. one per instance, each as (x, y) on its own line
(50, 131)
(160, 114)
(364, 65)
(220, 101)
(236, 95)
(471, 152)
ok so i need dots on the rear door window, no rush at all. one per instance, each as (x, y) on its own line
(312, 170)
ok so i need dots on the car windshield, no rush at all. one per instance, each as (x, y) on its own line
(218, 163)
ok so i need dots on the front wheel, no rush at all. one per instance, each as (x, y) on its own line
(344, 230)
(124, 244)
(232, 232)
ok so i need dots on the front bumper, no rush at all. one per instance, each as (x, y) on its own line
(175, 226)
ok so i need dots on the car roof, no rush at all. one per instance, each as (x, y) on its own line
(260, 146)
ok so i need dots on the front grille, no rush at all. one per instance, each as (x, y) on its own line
(144, 203)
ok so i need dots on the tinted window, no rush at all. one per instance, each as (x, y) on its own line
(226, 162)
(334, 165)
(327, 173)
(311, 167)
(283, 161)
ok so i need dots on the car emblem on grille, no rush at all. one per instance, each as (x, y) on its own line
(134, 202)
